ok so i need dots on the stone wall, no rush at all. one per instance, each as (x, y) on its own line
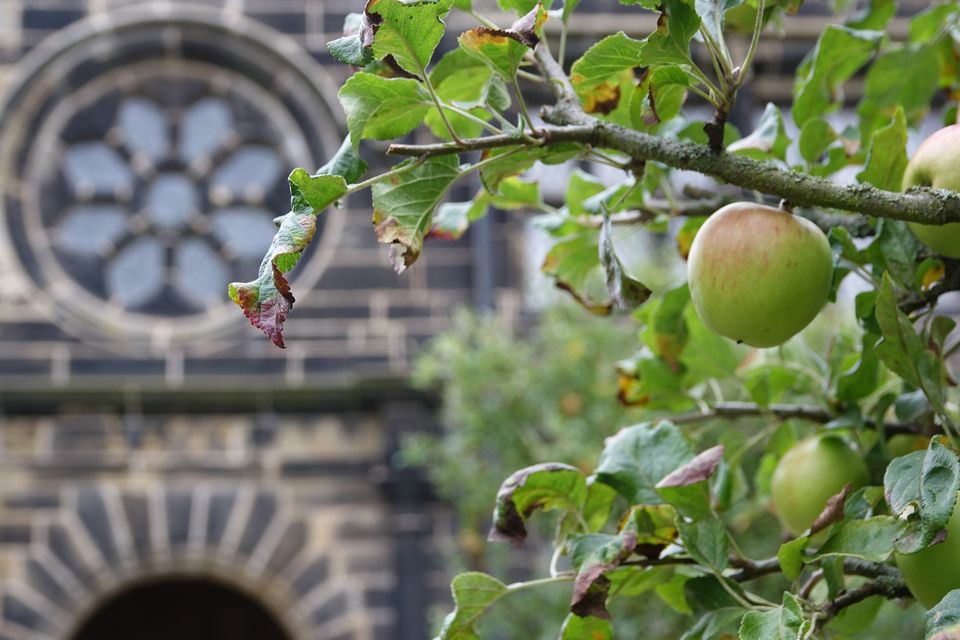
(301, 510)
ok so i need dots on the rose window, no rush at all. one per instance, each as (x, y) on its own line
(149, 175)
(170, 203)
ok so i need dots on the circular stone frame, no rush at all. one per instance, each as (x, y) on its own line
(235, 51)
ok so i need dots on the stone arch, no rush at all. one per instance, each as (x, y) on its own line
(106, 539)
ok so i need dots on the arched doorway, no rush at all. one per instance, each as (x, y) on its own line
(183, 608)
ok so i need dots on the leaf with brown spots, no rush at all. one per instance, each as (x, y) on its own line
(403, 206)
(409, 31)
(598, 74)
(355, 47)
(503, 49)
(586, 628)
(548, 486)
(267, 300)
(832, 511)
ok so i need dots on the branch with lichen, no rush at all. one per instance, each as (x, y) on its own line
(570, 123)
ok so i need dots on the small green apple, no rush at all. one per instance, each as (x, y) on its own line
(932, 573)
(937, 164)
(809, 474)
(855, 618)
(903, 443)
(758, 274)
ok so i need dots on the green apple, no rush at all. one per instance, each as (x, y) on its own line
(758, 274)
(933, 572)
(855, 618)
(937, 164)
(903, 443)
(809, 474)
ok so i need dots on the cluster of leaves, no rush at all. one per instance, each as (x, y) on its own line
(660, 510)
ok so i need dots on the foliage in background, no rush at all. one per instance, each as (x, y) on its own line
(512, 400)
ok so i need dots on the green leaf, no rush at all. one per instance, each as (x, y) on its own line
(903, 351)
(767, 382)
(638, 457)
(502, 163)
(659, 98)
(503, 49)
(549, 486)
(939, 483)
(815, 136)
(862, 378)
(905, 78)
(922, 486)
(382, 108)
(768, 140)
(927, 23)
(345, 162)
(786, 622)
(669, 327)
(313, 194)
(350, 50)
(875, 15)
(706, 541)
(403, 205)
(901, 482)
(871, 539)
(599, 502)
(670, 43)
(408, 30)
(943, 620)
(894, 250)
(522, 6)
(721, 624)
(267, 300)
(887, 155)
(911, 406)
(571, 262)
(517, 193)
(712, 13)
(580, 187)
(839, 53)
(586, 628)
(706, 593)
(707, 354)
(473, 594)
(463, 81)
(790, 556)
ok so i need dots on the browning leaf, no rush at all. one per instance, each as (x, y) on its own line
(697, 470)
(832, 511)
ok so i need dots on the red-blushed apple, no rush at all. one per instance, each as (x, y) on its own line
(932, 573)
(937, 164)
(758, 274)
(809, 474)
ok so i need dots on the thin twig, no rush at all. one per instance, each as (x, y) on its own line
(890, 588)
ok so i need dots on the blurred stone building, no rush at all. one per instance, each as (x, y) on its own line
(162, 464)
